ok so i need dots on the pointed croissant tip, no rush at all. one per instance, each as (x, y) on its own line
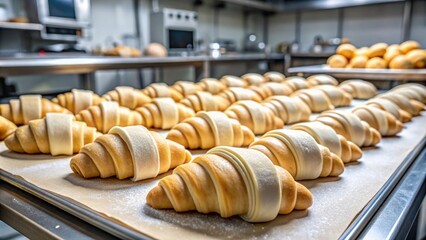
(356, 151)
(405, 116)
(157, 198)
(304, 198)
(376, 136)
(177, 137)
(338, 165)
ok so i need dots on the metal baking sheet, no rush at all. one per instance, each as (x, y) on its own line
(372, 74)
(119, 207)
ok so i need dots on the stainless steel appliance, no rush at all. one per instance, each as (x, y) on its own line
(65, 20)
(175, 29)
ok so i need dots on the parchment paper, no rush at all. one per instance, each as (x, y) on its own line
(337, 201)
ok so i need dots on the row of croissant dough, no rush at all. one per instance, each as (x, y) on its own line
(239, 175)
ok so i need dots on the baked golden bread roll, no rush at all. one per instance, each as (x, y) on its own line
(327, 137)
(163, 113)
(412, 106)
(408, 46)
(6, 128)
(269, 89)
(391, 52)
(211, 85)
(417, 57)
(107, 115)
(210, 129)
(412, 91)
(351, 127)
(401, 62)
(127, 97)
(321, 79)
(29, 107)
(347, 50)
(56, 134)
(296, 83)
(77, 100)
(316, 99)
(155, 50)
(297, 152)
(274, 76)
(234, 94)
(129, 152)
(231, 181)
(392, 108)
(379, 119)
(161, 90)
(123, 51)
(359, 89)
(205, 101)
(233, 81)
(358, 62)
(186, 88)
(338, 97)
(376, 62)
(337, 61)
(290, 110)
(253, 78)
(361, 51)
(377, 50)
(255, 116)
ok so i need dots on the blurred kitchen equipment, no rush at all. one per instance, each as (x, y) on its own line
(252, 44)
(227, 45)
(175, 29)
(330, 45)
(64, 20)
(3, 12)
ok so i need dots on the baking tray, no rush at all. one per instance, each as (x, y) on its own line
(327, 219)
(372, 74)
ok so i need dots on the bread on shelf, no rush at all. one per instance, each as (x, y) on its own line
(359, 89)
(205, 101)
(231, 181)
(127, 97)
(290, 110)
(297, 152)
(347, 50)
(391, 107)
(56, 134)
(234, 94)
(129, 152)
(417, 57)
(233, 81)
(296, 83)
(408, 46)
(412, 106)
(321, 79)
(210, 129)
(77, 100)
(413, 91)
(162, 90)
(358, 62)
(379, 119)
(316, 99)
(337, 61)
(107, 115)
(338, 97)
(351, 127)
(163, 113)
(273, 76)
(211, 85)
(269, 89)
(186, 88)
(6, 128)
(253, 78)
(29, 107)
(377, 50)
(255, 116)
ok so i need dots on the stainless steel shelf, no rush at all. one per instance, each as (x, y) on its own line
(21, 26)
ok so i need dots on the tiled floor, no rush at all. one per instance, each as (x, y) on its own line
(8, 233)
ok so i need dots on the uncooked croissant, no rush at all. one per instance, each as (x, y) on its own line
(414, 91)
(234, 94)
(269, 89)
(338, 97)
(316, 99)
(56, 134)
(6, 128)
(210, 129)
(231, 181)
(412, 106)
(161, 90)
(379, 119)
(359, 89)
(274, 76)
(392, 108)
(127, 97)
(255, 116)
(298, 153)
(351, 127)
(163, 113)
(296, 83)
(204, 101)
(290, 110)
(211, 85)
(126, 152)
(77, 100)
(233, 81)
(321, 79)
(28, 107)
(107, 115)
(253, 78)
(186, 88)
(327, 137)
